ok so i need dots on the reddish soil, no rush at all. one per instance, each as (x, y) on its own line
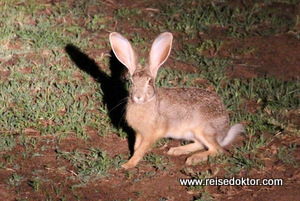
(274, 56)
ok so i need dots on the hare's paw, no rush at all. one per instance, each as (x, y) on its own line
(128, 165)
(186, 149)
(197, 158)
(177, 151)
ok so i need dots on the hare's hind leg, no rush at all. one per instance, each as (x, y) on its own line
(208, 139)
(186, 149)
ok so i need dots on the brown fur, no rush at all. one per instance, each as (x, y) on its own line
(192, 114)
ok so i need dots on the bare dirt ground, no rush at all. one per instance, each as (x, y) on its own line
(142, 182)
(276, 56)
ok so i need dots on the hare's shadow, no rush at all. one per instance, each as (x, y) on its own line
(113, 87)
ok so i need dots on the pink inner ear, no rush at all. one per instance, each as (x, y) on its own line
(123, 51)
(160, 51)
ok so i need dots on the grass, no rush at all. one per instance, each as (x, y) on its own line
(35, 184)
(15, 180)
(91, 166)
(158, 162)
(46, 98)
(236, 20)
(285, 154)
(7, 142)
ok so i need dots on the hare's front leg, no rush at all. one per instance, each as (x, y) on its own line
(145, 143)
(138, 140)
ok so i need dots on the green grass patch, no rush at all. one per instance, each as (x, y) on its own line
(158, 162)
(89, 166)
(236, 20)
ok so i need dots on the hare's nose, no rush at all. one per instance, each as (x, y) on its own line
(138, 98)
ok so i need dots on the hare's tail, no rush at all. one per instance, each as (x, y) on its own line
(232, 133)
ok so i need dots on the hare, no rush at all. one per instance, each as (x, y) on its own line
(191, 114)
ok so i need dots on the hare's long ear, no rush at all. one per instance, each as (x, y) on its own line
(123, 51)
(160, 51)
